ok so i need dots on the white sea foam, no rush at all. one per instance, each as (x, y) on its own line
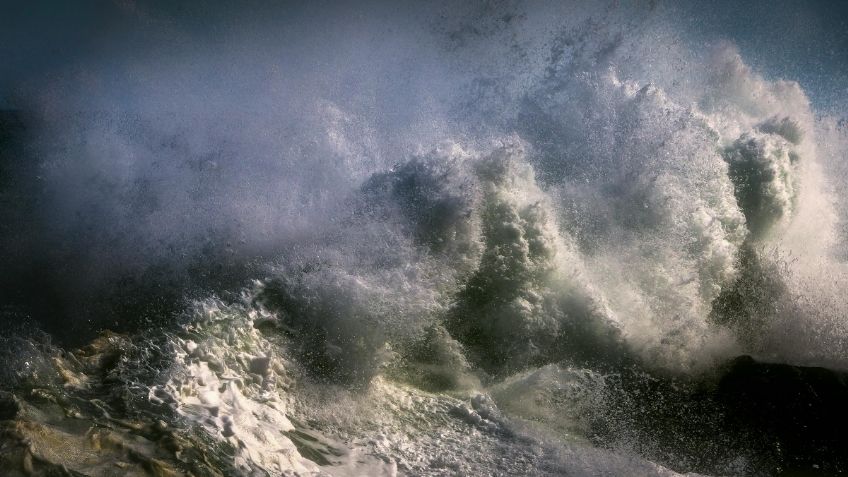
(450, 262)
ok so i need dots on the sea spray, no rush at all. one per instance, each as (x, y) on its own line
(506, 240)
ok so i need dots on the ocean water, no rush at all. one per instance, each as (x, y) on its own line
(497, 239)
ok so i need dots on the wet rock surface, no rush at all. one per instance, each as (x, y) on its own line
(81, 424)
(799, 413)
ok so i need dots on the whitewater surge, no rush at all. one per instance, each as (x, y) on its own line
(553, 268)
(519, 278)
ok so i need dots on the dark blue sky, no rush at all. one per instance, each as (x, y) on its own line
(802, 40)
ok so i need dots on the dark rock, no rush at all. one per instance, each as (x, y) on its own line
(9, 407)
(800, 413)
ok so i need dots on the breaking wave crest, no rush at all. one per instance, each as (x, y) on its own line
(497, 288)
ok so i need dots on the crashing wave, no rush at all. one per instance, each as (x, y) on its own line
(561, 286)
